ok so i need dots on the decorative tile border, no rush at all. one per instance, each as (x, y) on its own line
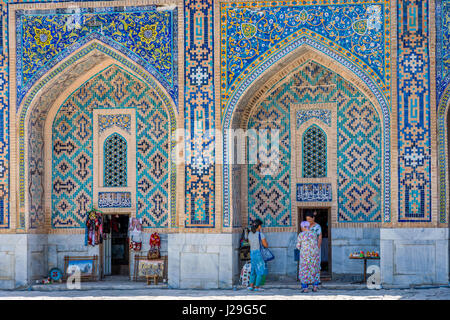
(114, 199)
(199, 112)
(314, 192)
(442, 99)
(122, 121)
(323, 115)
(5, 218)
(414, 122)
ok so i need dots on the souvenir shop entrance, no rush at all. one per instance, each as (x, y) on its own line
(322, 217)
(115, 250)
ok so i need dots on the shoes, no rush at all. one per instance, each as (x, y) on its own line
(305, 291)
(258, 289)
(250, 288)
(315, 289)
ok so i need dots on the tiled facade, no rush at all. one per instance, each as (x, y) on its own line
(356, 88)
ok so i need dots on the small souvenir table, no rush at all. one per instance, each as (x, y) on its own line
(365, 258)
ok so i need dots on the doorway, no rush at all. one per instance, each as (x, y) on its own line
(116, 254)
(323, 216)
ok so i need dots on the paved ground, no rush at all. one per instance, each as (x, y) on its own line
(441, 293)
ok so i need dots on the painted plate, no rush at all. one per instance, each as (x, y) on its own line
(55, 274)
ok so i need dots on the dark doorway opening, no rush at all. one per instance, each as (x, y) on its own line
(116, 260)
(323, 216)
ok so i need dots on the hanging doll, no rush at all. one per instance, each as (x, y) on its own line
(155, 245)
(135, 234)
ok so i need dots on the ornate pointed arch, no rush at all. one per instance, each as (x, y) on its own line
(66, 73)
(256, 83)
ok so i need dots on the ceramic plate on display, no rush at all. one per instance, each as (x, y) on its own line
(55, 274)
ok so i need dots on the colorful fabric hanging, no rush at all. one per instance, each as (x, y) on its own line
(135, 234)
(94, 228)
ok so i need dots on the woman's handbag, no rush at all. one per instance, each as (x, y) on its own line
(267, 255)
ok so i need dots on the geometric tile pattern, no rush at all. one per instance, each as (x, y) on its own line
(252, 31)
(284, 48)
(199, 112)
(94, 46)
(359, 158)
(73, 142)
(269, 194)
(115, 157)
(359, 146)
(122, 121)
(72, 161)
(4, 120)
(314, 151)
(320, 114)
(145, 34)
(414, 132)
(152, 138)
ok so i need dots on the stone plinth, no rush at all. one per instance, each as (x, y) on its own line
(203, 261)
(413, 256)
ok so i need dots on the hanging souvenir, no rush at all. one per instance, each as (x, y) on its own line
(94, 228)
(155, 245)
(135, 234)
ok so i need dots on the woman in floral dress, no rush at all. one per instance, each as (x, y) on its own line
(309, 271)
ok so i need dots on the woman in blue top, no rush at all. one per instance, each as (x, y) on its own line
(256, 259)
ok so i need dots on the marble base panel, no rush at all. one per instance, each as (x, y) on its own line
(414, 256)
(347, 240)
(203, 261)
(282, 245)
(13, 260)
(22, 259)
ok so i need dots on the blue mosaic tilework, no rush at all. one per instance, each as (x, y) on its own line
(153, 134)
(115, 161)
(314, 192)
(158, 93)
(442, 94)
(72, 162)
(199, 114)
(442, 46)
(144, 34)
(359, 158)
(4, 120)
(1, 28)
(269, 193)
(252, 32)
(359, 144)
(253, 74)
(122, 121)
(314, 153)
(73, 143)
(320, 114)
(114, 199)
(414, 145)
